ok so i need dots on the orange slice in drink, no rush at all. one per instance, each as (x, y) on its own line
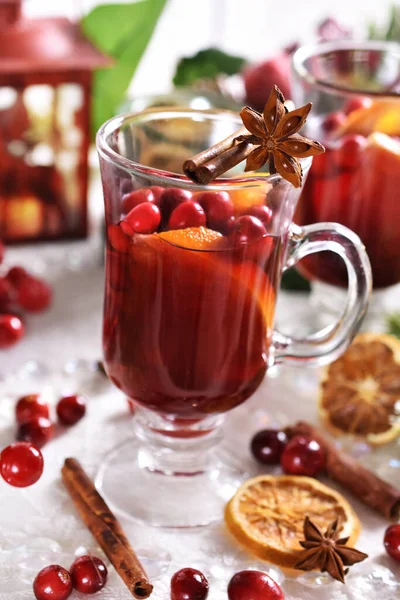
(244, 198)
(381, 115)
(360, 392)
(195, 238)
(267, 515)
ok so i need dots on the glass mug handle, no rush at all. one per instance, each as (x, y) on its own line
(329, 343)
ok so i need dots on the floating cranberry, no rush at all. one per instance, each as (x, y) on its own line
(187, 214)
(21, 464)
(333, 121)
(8, 294)
(247, 229)
(356, 103)
(157, 192)
(392, 541)
(303, 456)
(348, 154)
(267, 446)
(137, 197)
(34, 294)
(30, 407)
(262, 212)
(52, 583)
(171, 198)
(88, 574)
(11, 330)
(118, 240)
(189, 584)
(253, 585)
(16, 275)
(219, 209)
(71, 409)
(144, 218)
(38, 431)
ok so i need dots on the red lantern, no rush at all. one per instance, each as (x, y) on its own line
(46, 69)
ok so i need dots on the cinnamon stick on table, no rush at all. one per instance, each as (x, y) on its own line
(352, 475)
(106, 529)
(218, 159)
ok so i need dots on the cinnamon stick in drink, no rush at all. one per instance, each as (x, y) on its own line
(105, 528)
(352, 475)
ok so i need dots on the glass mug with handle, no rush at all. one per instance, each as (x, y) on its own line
(189, 306)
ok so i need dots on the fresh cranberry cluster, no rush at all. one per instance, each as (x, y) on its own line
(153, 209)
(19, 291)
(87, 575)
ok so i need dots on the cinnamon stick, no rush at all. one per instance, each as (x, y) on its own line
(105, 528)
(352, 475)
(218, 159)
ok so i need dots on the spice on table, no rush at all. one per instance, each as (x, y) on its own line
(105, 528)
(269, 137)
(327, 552)
(352, 475)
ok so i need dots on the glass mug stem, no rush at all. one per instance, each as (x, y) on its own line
(330, 342)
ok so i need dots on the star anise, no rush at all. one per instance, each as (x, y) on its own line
(275, 134)
(326, 552)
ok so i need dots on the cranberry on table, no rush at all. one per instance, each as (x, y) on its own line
(187, 214)
(7, 294)
(31, 406)
(88, 574)
(137, 197)
(171, 198)
(52, 583)
(303, 456)
(16, 275)
(38, 431)
(34, 294)
(267, 446)
(144, 218)
(253, 585)
(71, 409)
(262, 212)
(219, 209)
(333, 121)
(392, 541)
(189, 584)
(11, 330)
(21, 464)
(247, 229)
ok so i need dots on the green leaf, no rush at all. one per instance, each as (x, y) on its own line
(122, 31)
(393, 324)
(206, 64)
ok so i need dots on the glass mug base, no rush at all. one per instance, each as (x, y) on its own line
(328, 302)
(156, 478)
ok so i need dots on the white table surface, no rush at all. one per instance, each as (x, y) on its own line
(38, 526)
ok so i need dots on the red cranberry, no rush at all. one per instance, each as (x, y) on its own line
(267, 446)
(7, 294)
(187, 214)
(303, 456)
(71, 409)
(253, 585)
(11, 330)
(88, 574)
(189, 584)
(246, 230)
(16, 275)
(262, 212)
(171, 198)
(52, 583)
(38, 431)
(144, 218)
(34, 295)
(219, 209)
(31, 407)
(333, 121)
(356, 103)
(21, 464)
(117, 238)
(135, 198)
(348, 154)
(392, 541)
(157, 192)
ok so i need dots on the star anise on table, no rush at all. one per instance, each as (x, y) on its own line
(326, 552)
(275, 134)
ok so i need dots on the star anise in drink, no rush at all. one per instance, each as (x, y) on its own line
(327, 552)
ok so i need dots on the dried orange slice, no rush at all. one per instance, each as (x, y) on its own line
(267, 515)
(382, 116)
(195, 238)
(360, 392)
